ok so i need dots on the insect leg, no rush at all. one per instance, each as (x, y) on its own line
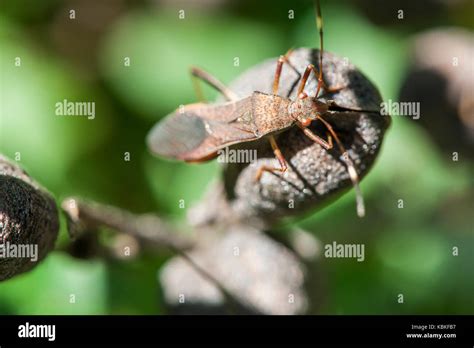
(350, 168)
(280, 158)
(283, 59)
(345, 157)
(200, 74)
(305, 77)
(316, 138)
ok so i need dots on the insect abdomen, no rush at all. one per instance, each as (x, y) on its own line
(270, 113)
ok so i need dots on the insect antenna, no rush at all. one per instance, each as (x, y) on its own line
(319, 25)
(350, 168)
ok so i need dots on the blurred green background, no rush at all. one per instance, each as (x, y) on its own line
(408, 250)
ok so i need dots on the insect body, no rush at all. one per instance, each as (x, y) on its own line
(196, 132)
(209, 128)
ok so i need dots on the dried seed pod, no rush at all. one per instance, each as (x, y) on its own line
(315, 175)
(441, 81)
(262, 275)
(28, 221)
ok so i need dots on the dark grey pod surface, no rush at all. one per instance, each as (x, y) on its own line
(315, 175)
(262, 275)
(28, 216)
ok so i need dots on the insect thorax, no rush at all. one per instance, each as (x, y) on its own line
(305, 108)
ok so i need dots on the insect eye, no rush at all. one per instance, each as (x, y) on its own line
(306, 122)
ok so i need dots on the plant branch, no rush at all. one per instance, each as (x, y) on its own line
(85, 215)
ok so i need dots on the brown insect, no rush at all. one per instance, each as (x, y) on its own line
(196, 132)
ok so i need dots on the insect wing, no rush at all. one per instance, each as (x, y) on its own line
(197, 131)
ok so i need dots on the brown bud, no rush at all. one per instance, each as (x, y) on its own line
(28, 221)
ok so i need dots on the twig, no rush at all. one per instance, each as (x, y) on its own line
(86, 215)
